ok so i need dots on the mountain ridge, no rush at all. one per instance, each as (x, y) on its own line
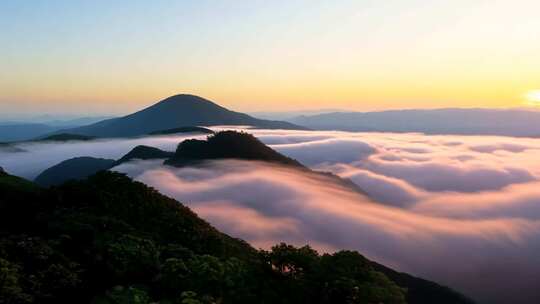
(459, 121)
(173, 112)
(109, 239)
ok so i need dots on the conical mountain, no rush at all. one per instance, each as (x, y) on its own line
(173, 112)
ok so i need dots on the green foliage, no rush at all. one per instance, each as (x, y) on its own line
(132, 257)
(110, 240)
(292, 262)
(10, 288)
(343, 277)
(189, 297)
(10, 183)
(124, 295)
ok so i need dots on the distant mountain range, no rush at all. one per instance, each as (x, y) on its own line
(507, 122)
(186, 113)
(173, 112)
(25, 130)
(171, 115)
(287, 115)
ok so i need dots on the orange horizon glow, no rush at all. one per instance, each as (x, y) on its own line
(301, 56)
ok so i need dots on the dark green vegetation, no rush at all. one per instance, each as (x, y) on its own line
(183, 130)
(420, 290)
(10, 184)
(144, 152)
(108, 239)
(74, 168)
(177, 110)
(67, 137)
(227, 145)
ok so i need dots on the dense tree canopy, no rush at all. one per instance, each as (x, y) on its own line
(109, 239)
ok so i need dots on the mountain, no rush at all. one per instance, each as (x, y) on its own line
(144, 152)
(182, 130)
(505, 122)
(108, 239)
(174, 112)
(66, 137)
(220, 145)
(287, 115)
(38, 127)
(244, 146)
(227, 145)
(72, 122)
(10, 184)
(24, 131)
(420, 290)
(79, 168)
(74, 168)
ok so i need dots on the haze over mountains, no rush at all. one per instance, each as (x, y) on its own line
(184, 111)
(507, 122)
(177, 112)
(425, 186)
(379, 186)
(173, 112)
(15, 130)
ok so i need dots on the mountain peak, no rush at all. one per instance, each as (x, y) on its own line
(176, 111)
(227, 145)
(186, 98)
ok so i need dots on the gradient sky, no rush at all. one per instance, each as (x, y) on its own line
(100, 57)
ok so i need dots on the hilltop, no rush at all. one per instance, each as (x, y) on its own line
(74, 168)
(227, 145)
(174, 112)
(182, 130)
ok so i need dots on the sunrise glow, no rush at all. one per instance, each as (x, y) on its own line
(295, 56)
(533, 98)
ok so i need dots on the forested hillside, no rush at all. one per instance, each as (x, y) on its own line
(109, 239)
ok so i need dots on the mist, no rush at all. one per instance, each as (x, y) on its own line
(463, 211)
(34, 157)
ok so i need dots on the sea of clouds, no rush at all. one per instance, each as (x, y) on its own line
(461, 210)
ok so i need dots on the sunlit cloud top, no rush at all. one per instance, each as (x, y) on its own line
(102, 56)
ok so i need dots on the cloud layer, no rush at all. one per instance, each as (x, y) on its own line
(461, 210)
(38, 156)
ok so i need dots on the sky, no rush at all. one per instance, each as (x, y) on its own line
(115, 57)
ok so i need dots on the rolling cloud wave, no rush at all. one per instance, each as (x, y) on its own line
(461, 210)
